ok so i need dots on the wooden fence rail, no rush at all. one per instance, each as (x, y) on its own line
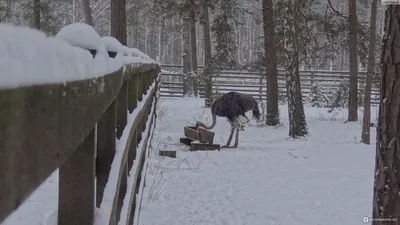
(76, 127)
(254, 83)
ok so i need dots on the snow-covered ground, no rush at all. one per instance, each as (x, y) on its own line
(326, 178)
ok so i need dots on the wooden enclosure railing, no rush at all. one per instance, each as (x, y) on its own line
(79, 127)
(254, 83)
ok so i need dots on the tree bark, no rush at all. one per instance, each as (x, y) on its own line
(36, 23)
(186, 59)
(386, 203)
(87, 11)
(118, 20)
(207, 55)
(297, 119)
(365, 135)
(270, 64)
(193, 45)
(352, 111)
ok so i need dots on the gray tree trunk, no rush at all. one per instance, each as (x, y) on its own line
(352, 111)
(207, 55)
(297, 119)
(177, 45)
(193, 45)
(365, 134)
(87, 11)
(186, 59)
(270, 64)
(36, 14)
(118, 20)
(386, 200)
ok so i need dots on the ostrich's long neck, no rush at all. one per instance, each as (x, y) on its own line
(214, 121)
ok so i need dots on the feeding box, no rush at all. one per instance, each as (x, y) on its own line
(202, 135)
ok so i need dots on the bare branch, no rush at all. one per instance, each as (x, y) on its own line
(336, 11)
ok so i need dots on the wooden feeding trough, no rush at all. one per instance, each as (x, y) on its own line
(205, 137)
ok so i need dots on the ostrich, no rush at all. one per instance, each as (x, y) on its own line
(233, 106)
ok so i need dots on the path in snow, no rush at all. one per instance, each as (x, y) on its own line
(326, 178)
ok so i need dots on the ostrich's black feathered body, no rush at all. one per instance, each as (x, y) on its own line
(233, 104)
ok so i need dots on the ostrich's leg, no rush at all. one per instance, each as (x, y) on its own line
(230, 138)
(236, 139)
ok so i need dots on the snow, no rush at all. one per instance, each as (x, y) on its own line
(326, 178)
(112, 44)
(82, 35)
(29, 57)
(59, 59)
(137, 53)
(126, 51)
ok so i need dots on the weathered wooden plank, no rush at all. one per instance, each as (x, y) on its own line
(139, 87)
(132, 93)
(204, 147)
(132, 150)
(121, 192)
(76, 185)
(48, 122)
(122, 109)
(105, 149)
(171, 154)
(186, 141)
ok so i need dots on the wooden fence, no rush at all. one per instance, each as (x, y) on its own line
(75, 127)
(254, 83)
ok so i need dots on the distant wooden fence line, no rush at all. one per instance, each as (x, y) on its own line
(75, 127)
(254, 83)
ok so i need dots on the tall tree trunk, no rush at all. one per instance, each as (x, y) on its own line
(365, 135)
(270, 64)
(186, 59)
(352, 111)
(297, 119)
(386, 203)
(8, 12)
(36, 14)
(87, 11)
(162, 40)
(177, 45)
(118, 20)
(193, 44)
(207, 55)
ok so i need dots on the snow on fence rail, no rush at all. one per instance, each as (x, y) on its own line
(254, 83)
(90, 127)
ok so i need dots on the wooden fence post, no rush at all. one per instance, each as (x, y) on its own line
(76, 185)
(145, 82)
(122, 108)
(132, 93)
(105, 149)
(140, 86)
